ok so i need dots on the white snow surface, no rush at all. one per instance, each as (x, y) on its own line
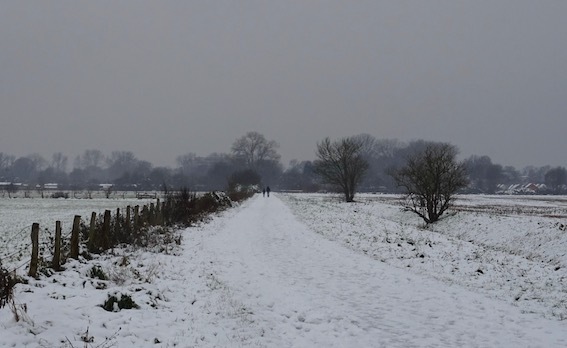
(309, 271)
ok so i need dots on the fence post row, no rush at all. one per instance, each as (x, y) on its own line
(150, 214)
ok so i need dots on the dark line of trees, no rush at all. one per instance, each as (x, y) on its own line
(254, 160)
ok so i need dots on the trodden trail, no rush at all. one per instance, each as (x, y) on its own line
(300, 290)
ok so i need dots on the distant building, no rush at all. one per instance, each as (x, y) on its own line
(522, 189)
(105, 186)
(51, 186)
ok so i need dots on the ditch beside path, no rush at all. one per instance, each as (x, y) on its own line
(298, 289)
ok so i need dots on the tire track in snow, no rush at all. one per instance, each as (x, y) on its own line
(305, 291)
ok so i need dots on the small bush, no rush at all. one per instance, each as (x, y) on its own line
(180, 206)
(96, 272)
(239, 196)
(7, 284)
(125, 302)
(60, 194)
(211, 202)
(206, 204)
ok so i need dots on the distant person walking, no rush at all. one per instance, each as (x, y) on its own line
(263, 192)
(268, 191)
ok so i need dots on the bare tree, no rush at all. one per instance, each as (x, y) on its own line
(11, 189)
(555, 178)
(120, 163)
(6, 162)
(483, 174)
(38, 161)
(341, 164)
(90, 158)
(368, 145)
(253, 149)
(23, 170)
(187, 162)
(431, 178)
(59, 162)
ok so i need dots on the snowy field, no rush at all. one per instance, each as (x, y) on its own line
(18, 214)
(507, 247)
(298, 270)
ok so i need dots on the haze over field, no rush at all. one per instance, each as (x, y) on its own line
(165, 78)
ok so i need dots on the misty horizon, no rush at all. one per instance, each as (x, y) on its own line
(173, 163)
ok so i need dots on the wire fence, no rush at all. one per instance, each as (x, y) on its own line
(17, 247)
(49, 248)
(16, 250)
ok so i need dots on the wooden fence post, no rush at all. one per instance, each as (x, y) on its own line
(74, 253)
(35, 250)
(56, 262)
(158, 213)
(93, 242)
(144, 215)
(136, 218)
(105, 235)
(117, 222)
(163, 213)
(152, 215)
(128, 223)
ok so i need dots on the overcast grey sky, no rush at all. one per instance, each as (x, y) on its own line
(163, 78)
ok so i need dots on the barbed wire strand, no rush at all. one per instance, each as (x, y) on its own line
(22, 265)
(17, 251)
(19, 233)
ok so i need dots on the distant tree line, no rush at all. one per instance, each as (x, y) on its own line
(484, 176)
(254, 160)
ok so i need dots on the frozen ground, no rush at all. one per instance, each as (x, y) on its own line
(18, 214)
(332, 275)
(510, 248)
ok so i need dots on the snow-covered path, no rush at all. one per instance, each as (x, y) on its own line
(300, 290)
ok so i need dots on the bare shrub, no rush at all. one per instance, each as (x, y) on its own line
(7, 284)
(239, 196)
(341, 164)
(179, 206)
(431, 179)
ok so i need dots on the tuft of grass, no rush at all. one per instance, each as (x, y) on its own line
(96, 272)
(125, 302)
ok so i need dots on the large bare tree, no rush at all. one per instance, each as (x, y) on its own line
(253, 149)
(342, 164)
(431, 178)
